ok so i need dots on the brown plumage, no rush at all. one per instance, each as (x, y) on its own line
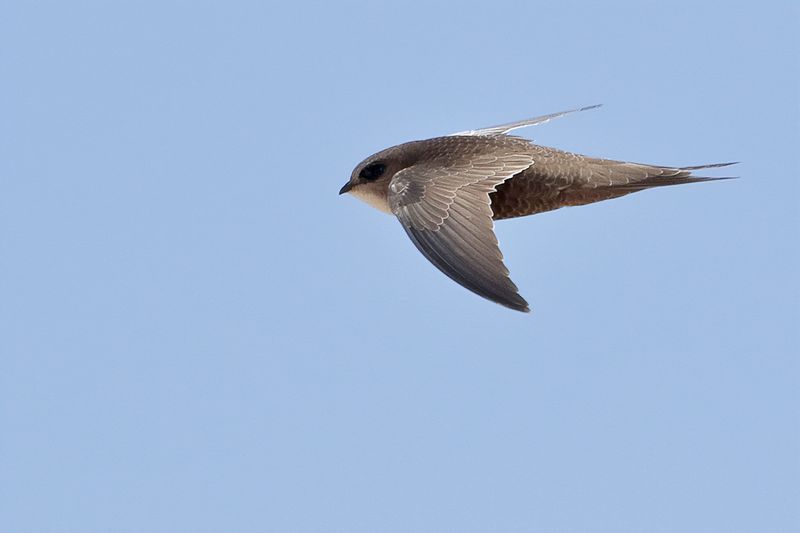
(447, 191)
(562, 179)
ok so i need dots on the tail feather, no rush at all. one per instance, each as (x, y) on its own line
(664, 176)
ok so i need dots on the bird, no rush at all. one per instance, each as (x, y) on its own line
(448, 191)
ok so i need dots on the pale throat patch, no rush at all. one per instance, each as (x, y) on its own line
(368, 195)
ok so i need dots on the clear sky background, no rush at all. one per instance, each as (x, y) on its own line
(198, 334)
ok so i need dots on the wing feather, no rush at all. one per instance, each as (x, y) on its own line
(502, 129)
(447, 214)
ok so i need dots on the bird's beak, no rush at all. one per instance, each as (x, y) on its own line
(346, 188)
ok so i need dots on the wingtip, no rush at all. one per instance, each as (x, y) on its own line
(521, 305)
(588, 107)
(712, 165)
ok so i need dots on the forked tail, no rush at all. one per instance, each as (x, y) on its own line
(635, 177)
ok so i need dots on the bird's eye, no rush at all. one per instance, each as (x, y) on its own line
(373, 171)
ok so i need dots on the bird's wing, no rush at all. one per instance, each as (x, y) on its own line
(447, 214)
(502, 129)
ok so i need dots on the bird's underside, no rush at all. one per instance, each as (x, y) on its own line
(560, 179)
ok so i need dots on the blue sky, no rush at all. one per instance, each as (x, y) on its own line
(198, 334)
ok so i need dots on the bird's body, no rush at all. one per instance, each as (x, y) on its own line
(446, 192)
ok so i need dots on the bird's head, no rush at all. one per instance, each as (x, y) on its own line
(370, 179)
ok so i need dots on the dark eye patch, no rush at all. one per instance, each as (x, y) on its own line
(373, 171)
